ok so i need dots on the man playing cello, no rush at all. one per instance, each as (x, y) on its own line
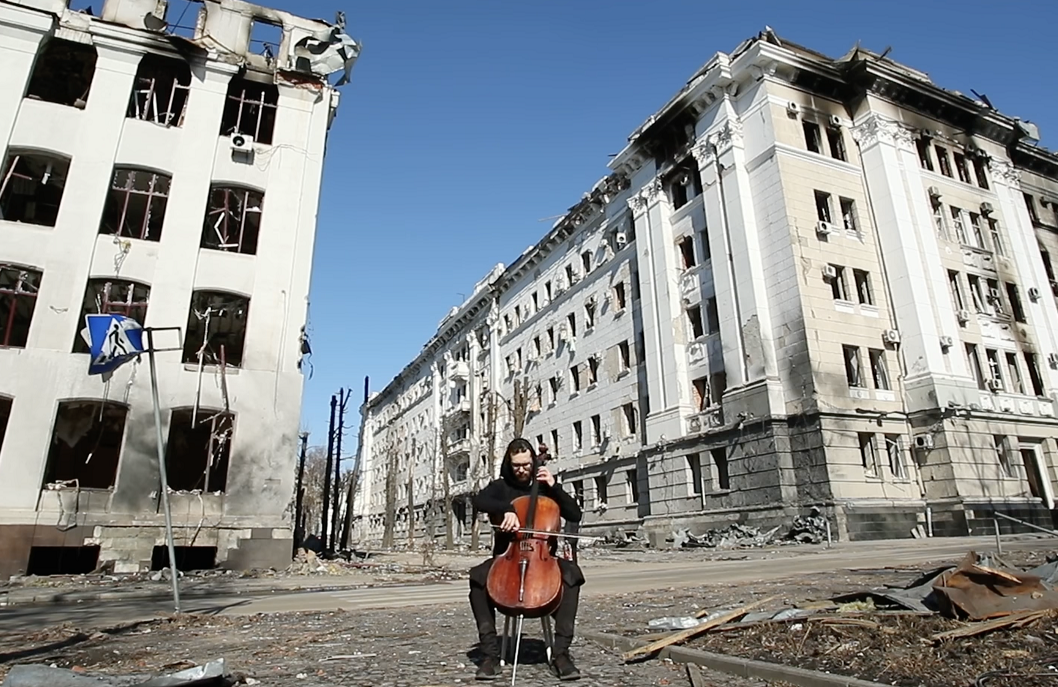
(516, 479)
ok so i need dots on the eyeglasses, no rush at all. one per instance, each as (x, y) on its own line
(522, 466)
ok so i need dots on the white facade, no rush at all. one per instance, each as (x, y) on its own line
(255, 254)
(815, 254)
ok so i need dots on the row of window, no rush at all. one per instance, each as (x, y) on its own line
(598, 435)
(63, 74)
(216, 322)
(1004, 370)
(32, 185)
(969, 228)
(87, 438)
(968, 169)
(986, 296)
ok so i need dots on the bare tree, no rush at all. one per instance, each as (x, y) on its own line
(312, 483)
(411, 495)
(391, 453)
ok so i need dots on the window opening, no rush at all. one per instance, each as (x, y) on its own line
(159, 93)
(631, 423)
(848, 214)
(960, 227)
(62, 560)
(593, 370)
(837, 144)
(853, 372)
(233, 220)
(63, 73)
(943, 160)
(619, 296)
(632, 479)
(574, 378)
(712, 316)
(723, 478)
(686, 246)
(265, 38)
(924, 157)
(1030, 204)
(5, 415)
(216, 328)
(198, 450)
(823, 206)
(578, 436)
(187, 557)
(250, 110)
(1003, 456)
(694, 315)
(700, 387)
(112, 297)
(863, 287)
(977, 234)
(867, 458)
(981, 171)
(997, 237)
(961, 168)
(32, 187)
(812, 138)
(895, 455)
(879, 369)
(975, 365)
(585, 261)
(18, 301)
(1014, 373)
(86, 444)
(625, 355)
(956, 290)
(1034, 373)
(135, 205)
(994, 368)
(839, 287)
(1016, 308)
(694, 474)
(600, 490)
(589, 313)
(596, 430)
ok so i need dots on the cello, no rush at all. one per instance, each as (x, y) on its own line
(526, 581)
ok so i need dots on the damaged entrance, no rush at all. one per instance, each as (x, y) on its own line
(86, 444)
(198, 450)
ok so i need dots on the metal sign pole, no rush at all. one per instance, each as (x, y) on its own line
(161, 470)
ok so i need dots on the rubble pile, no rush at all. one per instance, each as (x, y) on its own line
(805, 529)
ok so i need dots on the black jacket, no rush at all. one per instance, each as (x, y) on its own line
(495, 500)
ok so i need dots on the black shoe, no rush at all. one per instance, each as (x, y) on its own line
(488, 669)
(563, 668)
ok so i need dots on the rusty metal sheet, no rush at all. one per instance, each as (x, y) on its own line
(977, 592)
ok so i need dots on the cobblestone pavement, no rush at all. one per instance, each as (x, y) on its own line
(428, 647)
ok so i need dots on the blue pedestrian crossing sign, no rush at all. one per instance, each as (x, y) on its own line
(113, 341)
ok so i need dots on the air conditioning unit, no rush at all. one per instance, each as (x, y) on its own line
(934, 192)
(825, 228)
(994, 295)
(924, 442)
(986, 208)
(946, 342)
(835, 122)
(891, 336)
(994, 385)
(1034, 294)
(620, 238)
(963, 316)
(793, 108)
(1052, 359)
(241, 143)
(830, 272)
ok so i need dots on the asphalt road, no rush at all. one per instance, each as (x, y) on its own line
(604, 577)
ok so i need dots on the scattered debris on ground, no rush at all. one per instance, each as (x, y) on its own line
(211, 674)
(929, 631)
(807, 529)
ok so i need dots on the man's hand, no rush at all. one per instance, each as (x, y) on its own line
(544, 475)
(510, 523)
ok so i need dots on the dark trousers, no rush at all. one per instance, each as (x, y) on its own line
(485, 612)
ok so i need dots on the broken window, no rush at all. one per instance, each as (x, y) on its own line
(1034, 373)
(135, 205)
(853, 371)
(879, 369)
(960, 226)
(700, 387)
(1014, 373)
(600, 489)
(198, 450)
(593, 370)
(578, 436)
(997, 238)
(686, 246)
(1016, 308)
(895, 455)
(619, 296)
(632, 479)
(813, 140)
(159, 93)
(981, 172)
(694, 474)
(961, 168)
(956, 290)
(596, 430)
(839, 286)
(18, 300)
(867, 458)
(63, 73)
(863, 287)
(975, 365)
(1030, 204)
(723, 478)
(943, 160)
(625, 355)
(86, 444)
(233, 219)
(585, 261)
(250, 110)
(694, 315)
(924, 158)
(112, 296)
(1003, 455)
(589, 313)
(848, 214)
(823, 206)
(995, 369)
(837, 144)
(574, 378)
(5, 415)
(631, 420)
(216, 328)
(712, 316)
(31, 188)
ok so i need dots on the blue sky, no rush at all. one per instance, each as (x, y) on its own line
(470, 124)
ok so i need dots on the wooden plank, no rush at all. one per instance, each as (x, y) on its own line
(1012, 620)
(694, 674)
(691, 632)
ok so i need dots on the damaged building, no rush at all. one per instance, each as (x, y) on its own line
(805, 283)
(170, 174)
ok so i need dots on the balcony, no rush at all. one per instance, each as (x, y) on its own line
(458, 406)
(458, 369)
(709, 419)
(459, 446)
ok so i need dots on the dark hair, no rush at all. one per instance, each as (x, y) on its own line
(518, 445)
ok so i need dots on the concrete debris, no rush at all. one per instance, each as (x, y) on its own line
(308, 563)
(208, 675)
(810, 529)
